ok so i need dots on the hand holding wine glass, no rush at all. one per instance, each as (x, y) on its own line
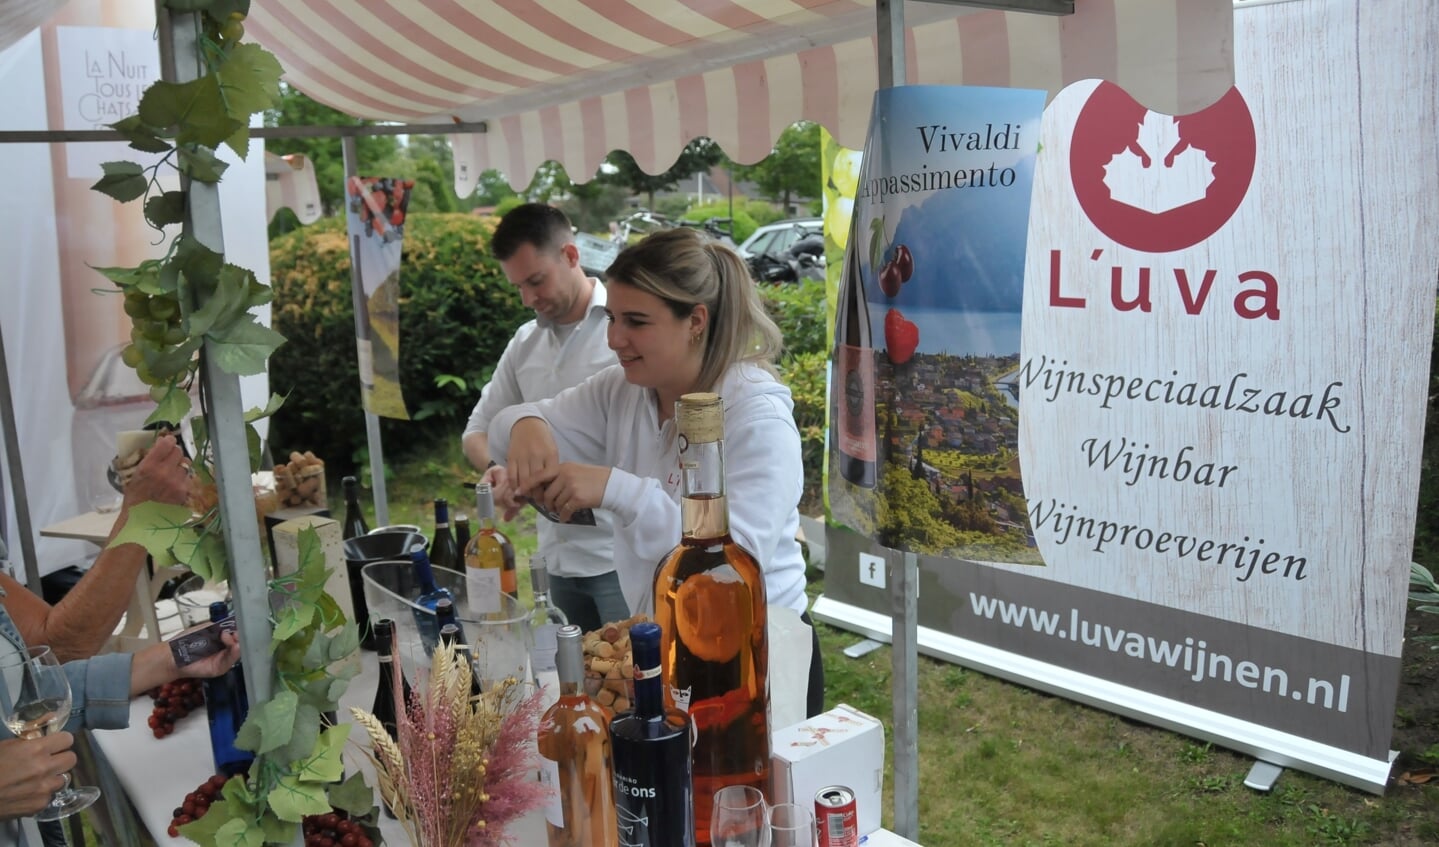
(739, 818)
(37, 705)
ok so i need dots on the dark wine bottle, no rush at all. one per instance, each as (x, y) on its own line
(445, 615)
(654, 793)
(386, 710)
(428, 599)
(354, 525)
(854, 375)
(462, 532)
(453, 637)
(226, 705)
(444, 552)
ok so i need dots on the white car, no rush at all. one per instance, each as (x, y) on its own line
(773, 239)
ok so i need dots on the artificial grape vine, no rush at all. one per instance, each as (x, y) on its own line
(191, 303)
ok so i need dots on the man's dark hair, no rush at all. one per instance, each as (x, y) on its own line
(537, 224)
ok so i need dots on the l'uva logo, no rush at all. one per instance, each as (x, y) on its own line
(1158, 183)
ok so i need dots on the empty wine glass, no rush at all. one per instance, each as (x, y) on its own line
(791, 825)
(39, 705)
(739, 818)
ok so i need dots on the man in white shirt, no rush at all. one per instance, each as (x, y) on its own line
(561, 347)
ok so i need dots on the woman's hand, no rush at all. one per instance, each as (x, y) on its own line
(216, 664)
(575, 487)
(33, 771)
(155, 665)
(533, 457)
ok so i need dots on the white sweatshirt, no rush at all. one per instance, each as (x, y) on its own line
(605, 420)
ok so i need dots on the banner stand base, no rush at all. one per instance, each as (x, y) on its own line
(1262, 777)
(1268, 745)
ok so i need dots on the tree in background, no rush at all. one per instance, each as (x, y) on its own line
(326, 154)
(700, 154)
(791, 170)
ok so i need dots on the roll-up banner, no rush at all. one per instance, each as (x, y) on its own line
(1209, 430)
(375, 211)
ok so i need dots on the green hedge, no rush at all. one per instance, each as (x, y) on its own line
(457, 312)
(799, 311)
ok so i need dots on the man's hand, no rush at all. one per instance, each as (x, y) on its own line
(164, 475)
(575, 487)
(217, 664)
(533, 456)
(33, 771)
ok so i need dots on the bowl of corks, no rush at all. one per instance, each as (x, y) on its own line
(609, 664)
(301, 481)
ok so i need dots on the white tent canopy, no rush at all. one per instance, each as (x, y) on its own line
(571, 80)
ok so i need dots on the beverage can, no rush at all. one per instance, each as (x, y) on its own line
(836, 820)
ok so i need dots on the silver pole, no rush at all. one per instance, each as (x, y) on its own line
(372, 421)
(904, 567)
(17, 475)
(179, 59)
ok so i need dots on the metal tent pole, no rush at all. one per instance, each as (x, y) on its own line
(904, 566)
(372, 421)
(179, 61)
(17, 475)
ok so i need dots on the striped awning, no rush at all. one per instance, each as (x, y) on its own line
(571, 80)
(19, 17)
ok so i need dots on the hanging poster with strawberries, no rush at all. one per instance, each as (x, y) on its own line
(925, 423)
(375, 210)
(1222, 381)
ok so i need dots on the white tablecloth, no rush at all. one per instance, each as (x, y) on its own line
(158, 773)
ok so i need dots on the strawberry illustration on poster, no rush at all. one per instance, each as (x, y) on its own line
(925, 453)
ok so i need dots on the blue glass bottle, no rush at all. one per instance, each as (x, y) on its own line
(226, 705)
(654, 793)
(430, 596)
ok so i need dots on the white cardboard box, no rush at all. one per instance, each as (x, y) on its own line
(843, 746)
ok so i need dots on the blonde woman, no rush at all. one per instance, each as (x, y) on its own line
(684, 317)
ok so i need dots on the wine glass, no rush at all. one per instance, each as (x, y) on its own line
(791, 825)
(739, 818)
(39, 705)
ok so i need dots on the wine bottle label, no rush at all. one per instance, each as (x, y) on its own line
(482, 590)
(554, 804)
(856, 410)
(647, 673)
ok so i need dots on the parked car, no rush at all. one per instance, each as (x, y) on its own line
(774, 239)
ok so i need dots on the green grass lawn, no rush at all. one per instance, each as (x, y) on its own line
(1001, 764)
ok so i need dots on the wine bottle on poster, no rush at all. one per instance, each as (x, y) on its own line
(710, 604)
(654, 787)
(853, 384)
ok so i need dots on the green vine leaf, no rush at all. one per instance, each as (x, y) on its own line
(256, 413)
(237, 832)
(206, 829)
(168, 208)
(192, 108)
(291, 800)
(290, 620)
(155, 526)
(278, 831)
(201, 164)
(273, 722)
(249, 82)
(325, 765)
(302, 739)
(122, 180)
(144, 277)
(141, 137)
(224, 305)
(353, 796)
(244, 347)
(174, 406)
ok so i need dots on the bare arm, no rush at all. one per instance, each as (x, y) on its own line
(477, 449)
(78, 626)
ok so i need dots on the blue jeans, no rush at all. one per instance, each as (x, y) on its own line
(589, 602)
